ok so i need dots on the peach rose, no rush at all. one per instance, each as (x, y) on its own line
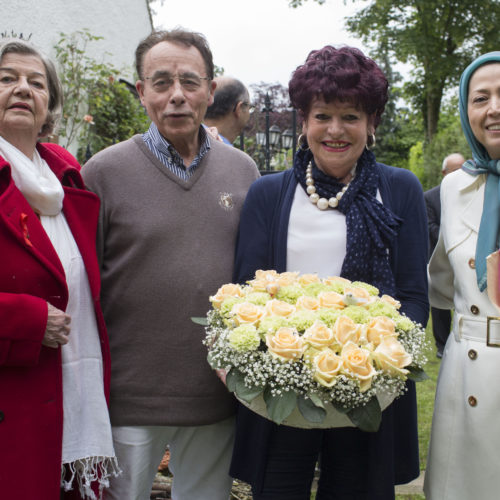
(357, 364)
(262, 280)
(318, 335)
(327, 366)
(286, 344)
(246, 313)
(287, 279)
(380, 327)
(331, 280)
(225, 292)
(277, 307)
(359, 293)
(391, 301)
(331, 300)
(390, 356)
(307, 279)
(346, 330)
(306, 303)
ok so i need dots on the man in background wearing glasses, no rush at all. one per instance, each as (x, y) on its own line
(230, 110)
(170, 205)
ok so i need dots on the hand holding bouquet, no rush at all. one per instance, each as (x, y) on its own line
(306, 351)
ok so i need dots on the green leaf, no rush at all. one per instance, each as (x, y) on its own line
(310, 411)
(368, 417)
(248, 394)
(235, 382)
(213, 364)
(200, 321)
(316, 400)
(339, 407)
(232, 378)
(280, 407)
(417, 374)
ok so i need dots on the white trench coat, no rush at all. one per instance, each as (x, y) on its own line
(464, 452)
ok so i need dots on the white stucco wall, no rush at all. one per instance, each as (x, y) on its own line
(122, 23)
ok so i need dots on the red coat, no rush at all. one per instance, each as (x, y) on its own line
(31, 409)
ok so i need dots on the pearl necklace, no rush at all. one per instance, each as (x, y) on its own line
(322, 203)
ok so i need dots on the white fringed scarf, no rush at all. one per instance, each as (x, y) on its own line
(87, 450)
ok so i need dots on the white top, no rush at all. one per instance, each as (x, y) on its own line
(317, 239)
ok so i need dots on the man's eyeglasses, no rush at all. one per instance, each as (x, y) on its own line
(188, 81)
(251, 107)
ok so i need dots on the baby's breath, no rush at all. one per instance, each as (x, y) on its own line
(260, 369)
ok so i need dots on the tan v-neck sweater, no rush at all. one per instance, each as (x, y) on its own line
(165, 245)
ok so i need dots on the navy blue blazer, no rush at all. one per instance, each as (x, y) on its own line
(262, 244)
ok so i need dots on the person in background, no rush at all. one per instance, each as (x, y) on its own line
(337, 212)
(441, 318)
(55, 433)
(167, 232)
(230, 110)
(463, 452)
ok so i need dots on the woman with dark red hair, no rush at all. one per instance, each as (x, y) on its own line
(337, 212)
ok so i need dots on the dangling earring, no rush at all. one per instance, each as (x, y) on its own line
(303, 146)
(370, 141)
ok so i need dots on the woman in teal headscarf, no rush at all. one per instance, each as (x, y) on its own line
(465, 440)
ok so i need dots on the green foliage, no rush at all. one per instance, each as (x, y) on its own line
(416, 160)
(448, 139)
(298, 3)
(399, 128)
(368, 417)
(437, 38)
(78, 73)
(99, 110)
(116, 115)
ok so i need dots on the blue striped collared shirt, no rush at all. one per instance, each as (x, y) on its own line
(167, 154)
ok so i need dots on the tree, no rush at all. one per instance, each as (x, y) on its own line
(399, 127)
(99, 109)
(115, 114)
(281, 116)
(78, 72)
(437, 38)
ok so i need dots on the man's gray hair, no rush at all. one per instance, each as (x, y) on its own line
(226, 97)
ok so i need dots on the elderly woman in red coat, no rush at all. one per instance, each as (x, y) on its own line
(55, 435)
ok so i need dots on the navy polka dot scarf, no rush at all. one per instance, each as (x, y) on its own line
(371, 227)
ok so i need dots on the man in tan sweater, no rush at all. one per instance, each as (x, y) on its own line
(170, 204)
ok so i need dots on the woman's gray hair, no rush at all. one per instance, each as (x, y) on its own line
(18, 46)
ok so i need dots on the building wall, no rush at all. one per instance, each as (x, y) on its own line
(121, 23)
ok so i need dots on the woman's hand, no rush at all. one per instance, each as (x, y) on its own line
(57, 330)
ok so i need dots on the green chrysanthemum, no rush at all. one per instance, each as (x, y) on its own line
(290, 293)
(329, 316)
(302, 320)
(270, 324)
(314, 289)
(404, 323)
(381, 308)
(258, 298)
(357, 313)
(244, 338)
(227, 305)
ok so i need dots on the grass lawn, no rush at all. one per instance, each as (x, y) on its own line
(425, 400)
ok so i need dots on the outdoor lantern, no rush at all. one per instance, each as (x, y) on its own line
(260, 137)
(287, 139)
(274, 135)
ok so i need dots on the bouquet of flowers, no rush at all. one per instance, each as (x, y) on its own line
(313, 352)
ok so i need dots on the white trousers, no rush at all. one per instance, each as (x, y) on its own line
(199, 460)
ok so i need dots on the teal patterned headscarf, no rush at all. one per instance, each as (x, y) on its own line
(482, 163)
